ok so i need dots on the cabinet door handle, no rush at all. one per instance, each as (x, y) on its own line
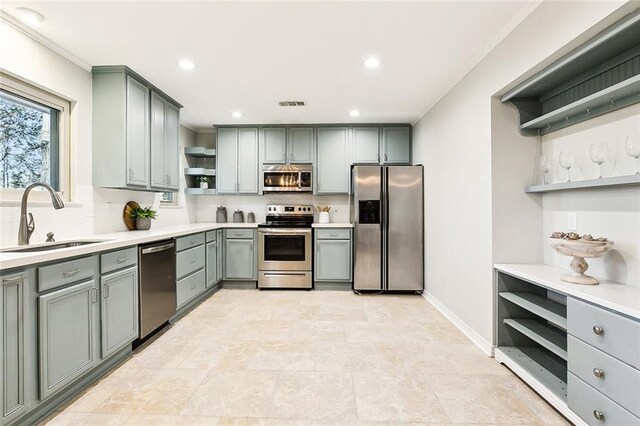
(168, 180)
(385, 157)
(106, 291)
(70, 273)
(598, 373)
(94, 295)
(14, 279)
(122, 259)
(130, 173)
(598, 414)
(598, 330)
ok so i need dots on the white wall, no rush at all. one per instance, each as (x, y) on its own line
(90, 210)
(454, 141)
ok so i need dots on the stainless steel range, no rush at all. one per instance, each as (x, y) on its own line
(284, 247)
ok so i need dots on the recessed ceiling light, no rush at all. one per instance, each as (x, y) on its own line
(29, 16)
(187, 64)
(236, 114)
(354, 113)
(372, 63)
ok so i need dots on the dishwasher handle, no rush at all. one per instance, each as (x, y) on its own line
(158, 248)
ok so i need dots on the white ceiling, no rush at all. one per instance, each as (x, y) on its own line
(249, 56)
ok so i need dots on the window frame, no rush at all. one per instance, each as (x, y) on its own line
(17, 87)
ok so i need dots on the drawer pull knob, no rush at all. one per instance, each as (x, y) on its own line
(333, 235)
(192, 242)
(598, 414)
(598, 330)
(598, 373)
(70, 273)
(122, 259)
(193, 261)
(239, 234)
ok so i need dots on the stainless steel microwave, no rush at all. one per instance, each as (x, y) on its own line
(287, 178)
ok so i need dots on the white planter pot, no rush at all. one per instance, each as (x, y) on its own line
(204, 185)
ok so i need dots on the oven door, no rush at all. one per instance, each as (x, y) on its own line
(284, 249)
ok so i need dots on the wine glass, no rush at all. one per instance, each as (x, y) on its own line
(632, 146)
(598, 154)
(544, 168)
(567, 161)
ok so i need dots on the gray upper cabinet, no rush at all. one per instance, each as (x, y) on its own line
(275, 145)
(366, 145)
(12, 345)
(164, 144)
(119, 310)
(137, 136)
(237, 161)
(135, 132)
(66, 335)
(396, 145)
(300, 145)
(332, 161)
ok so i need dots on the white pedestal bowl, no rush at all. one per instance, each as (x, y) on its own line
(579, 249)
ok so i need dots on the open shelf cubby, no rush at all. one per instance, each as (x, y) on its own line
(531, 330)
(201, 163)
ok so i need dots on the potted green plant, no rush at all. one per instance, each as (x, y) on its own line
(204, 182)
(143, 216)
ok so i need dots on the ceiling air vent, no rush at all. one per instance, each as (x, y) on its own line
(292, 103)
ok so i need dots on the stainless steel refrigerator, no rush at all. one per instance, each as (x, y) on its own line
(387, 213)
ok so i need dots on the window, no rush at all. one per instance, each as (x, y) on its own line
(169, 199)
(33, 138)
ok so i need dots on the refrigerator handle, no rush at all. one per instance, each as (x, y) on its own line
(384, 221)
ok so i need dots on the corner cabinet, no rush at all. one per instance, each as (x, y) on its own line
(333, 166)
(237, 161)
(13, 353)
(135, 132)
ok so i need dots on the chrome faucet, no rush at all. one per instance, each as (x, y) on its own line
(27, 225)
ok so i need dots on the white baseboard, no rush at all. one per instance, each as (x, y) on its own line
(471, 334)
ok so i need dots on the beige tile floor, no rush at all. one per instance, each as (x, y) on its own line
(309, 358)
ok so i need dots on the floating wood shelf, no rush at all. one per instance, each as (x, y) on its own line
(547, 336)
(554, 312)
(197, 151)
(199, 171)
(585, 184)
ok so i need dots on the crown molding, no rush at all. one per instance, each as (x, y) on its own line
(36, 36)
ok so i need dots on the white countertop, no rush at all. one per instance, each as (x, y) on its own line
(333, 225)
(615, 296)
(113, 241)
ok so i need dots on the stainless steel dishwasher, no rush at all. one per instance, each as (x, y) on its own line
(157, 263)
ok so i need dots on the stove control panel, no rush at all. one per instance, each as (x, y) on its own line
(289, 210)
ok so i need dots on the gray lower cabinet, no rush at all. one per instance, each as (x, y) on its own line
(396, 145)
(333, 165)
(119, 310)
(191, 275)
(240, 255)
(333, 260)
(165, 119)
(13, 307)
(237, 161)
(212, 263)
(67, 335)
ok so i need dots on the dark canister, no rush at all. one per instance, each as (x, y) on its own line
(221, 215)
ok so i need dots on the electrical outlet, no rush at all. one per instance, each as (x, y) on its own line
(572, 221)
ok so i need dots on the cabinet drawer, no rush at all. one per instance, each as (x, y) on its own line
(333, 234)
(588, 403)
(212, 235)
(118, 259)
(189, 287)
(189, 261)
(239, 233)
(613, 334)
(609, 376)
(60, 274)
(189, 241)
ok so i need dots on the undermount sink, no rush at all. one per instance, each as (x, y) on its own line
(50, 246)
